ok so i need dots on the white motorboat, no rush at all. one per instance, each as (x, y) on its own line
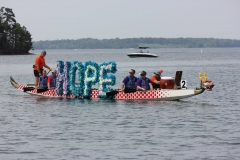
(142, 53)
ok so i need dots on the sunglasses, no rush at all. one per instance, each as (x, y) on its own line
(131, 72)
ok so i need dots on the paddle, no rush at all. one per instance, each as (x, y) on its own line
(49, 70)
(32, 88)
(129, 90)
(41, 90)
(112, 93)
(28, 89)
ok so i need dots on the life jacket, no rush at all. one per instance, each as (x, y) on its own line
(43, 82)
(154, 84)
(145, 83)
(131, 83)
(53, 82)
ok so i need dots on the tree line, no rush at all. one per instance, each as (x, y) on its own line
(90, 43)
(14, 38)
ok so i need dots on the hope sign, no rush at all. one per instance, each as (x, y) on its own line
(86, 75)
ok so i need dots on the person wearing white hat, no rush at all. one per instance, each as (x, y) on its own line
(52, 80)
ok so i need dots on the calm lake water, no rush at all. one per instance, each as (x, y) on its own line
(205, 126)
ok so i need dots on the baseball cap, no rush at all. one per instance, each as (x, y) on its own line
(143, 73)
(159, 72)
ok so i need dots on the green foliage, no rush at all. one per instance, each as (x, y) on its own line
(13, 37)
(89, 43)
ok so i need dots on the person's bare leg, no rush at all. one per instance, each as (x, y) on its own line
(36, 82)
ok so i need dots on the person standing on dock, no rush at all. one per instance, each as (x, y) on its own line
(38, 67)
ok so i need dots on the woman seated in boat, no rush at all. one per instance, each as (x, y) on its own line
(43, 80)
(129, 82)
(144, 83)
(52, 80)
(156, 79)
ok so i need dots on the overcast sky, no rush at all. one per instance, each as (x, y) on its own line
(105, 19)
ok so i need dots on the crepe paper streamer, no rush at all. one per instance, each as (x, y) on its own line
(77, 69)
(104, 79)
(60, 77)
(85, 75)
(66, 84)
(91, 75)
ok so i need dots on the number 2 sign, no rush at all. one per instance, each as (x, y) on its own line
(183, 84)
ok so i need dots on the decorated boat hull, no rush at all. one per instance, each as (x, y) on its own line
(75, 80)
(163, 94)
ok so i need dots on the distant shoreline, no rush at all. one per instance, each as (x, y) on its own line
(91, 43)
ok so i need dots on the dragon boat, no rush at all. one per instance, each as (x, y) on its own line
(91, 73)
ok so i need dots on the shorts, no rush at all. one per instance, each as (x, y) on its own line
(36, 73)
